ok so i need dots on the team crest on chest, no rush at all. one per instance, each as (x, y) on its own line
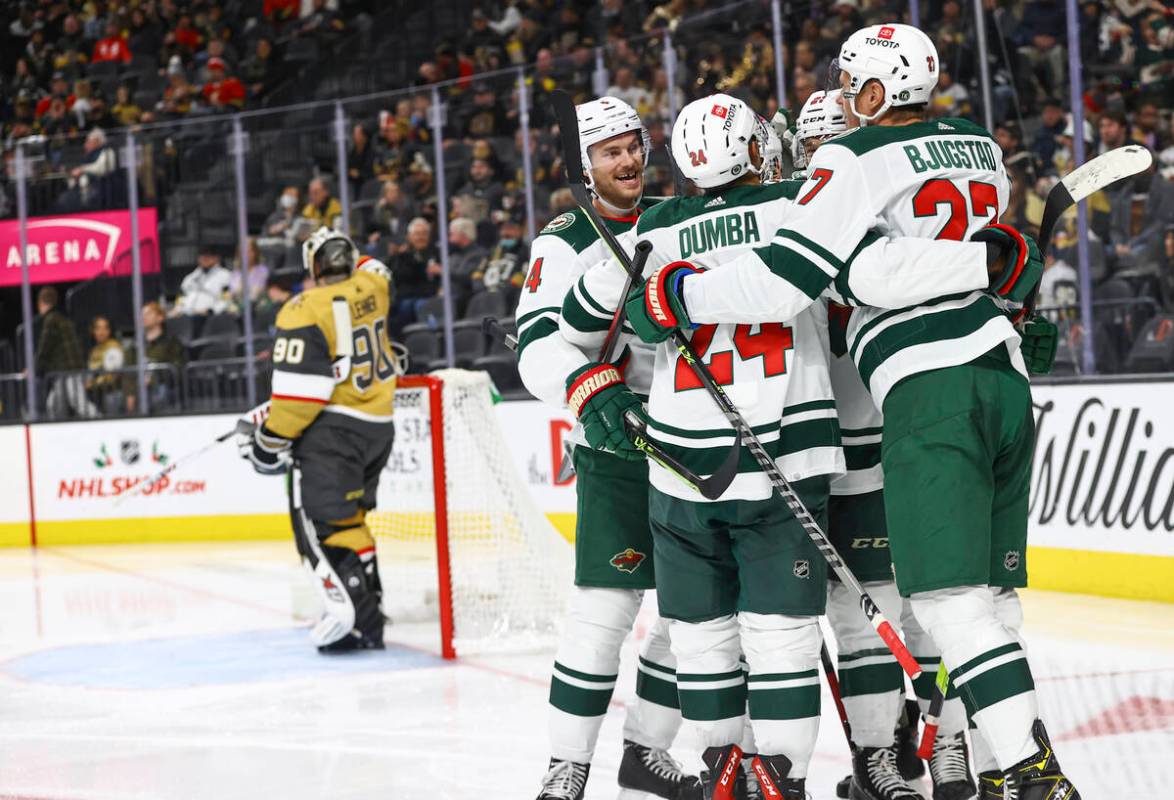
(561, 222)
(628, 561)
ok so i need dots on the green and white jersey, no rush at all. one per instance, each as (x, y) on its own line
(560, 254)
(860, 420)
(775, 371)
(932, 180)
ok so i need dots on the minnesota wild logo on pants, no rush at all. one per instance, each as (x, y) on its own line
(613, 543)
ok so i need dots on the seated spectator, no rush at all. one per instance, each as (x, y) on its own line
(94, 184)
(281, 11)
(205, 290)
(1155, 58)
(1147, 128)
(258, 71)
(323, 208)
(1052, 123)
(360, 158)
(277, 292)
(222, 92)
(258, 277)
(179, 93)
(23, 79)
(483, 187)
(58, 90)
(1039, 38)
(103, 384)
(112, 47)
(145, 36)
(393, 153)
(83, 102)
(321, 22)
(950, 99)
(186, 36)
(487, 117)
(625, 88)
(282, 221)
(58, 351)
(464, 254)
(507, 261)
(125, 111)
(416, 269)
(389, 223)
(161, 348)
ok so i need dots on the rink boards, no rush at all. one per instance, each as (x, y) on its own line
(1102, 507)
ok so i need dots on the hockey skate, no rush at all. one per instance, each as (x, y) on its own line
(875, 776)
(771, 772)
(722, 780)
(564, 780)
(950, 769)
(1038, 777)
(647, 771)
(990, 785)
(909, 764)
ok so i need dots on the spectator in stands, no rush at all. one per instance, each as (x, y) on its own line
(277, 292)
(323, 208)
(204, 290)
(393, 212)
(258, 71)
(283, 220)
(487, 117)
(25, 23)
(23, 79)
(103, 385)
(393, 152)
(222, 92)
(950, 99)
(1147, 128)
(1155, 57)
(360, 158)
(625, 88)
(480, 34)
(258, 277)
(112, 47)
(1114, 129)
(146, 37)
(464, 254)
(59, 351)
(482, 187)
(1052, 123)
(1040, 39)
(58, 90)
(281, 11)
(1166, 268)
(416, 269)
(179, 93)
(321, 22)
(161, 348)
(187, 37)
(93, 185)
(125, 111)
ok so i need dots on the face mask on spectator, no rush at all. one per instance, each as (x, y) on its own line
(288, 201)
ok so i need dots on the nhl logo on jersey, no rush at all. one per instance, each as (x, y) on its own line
(802, 568)
(1011, 560)
(628, 561)
(719, 111)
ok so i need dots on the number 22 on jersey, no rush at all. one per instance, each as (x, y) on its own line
(771, 344)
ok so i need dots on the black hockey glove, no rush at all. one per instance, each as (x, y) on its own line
(268, 453)
(598, 396)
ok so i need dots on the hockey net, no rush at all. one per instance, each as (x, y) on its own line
(458, 536)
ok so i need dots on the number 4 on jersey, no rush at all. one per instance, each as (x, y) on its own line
(534, 278)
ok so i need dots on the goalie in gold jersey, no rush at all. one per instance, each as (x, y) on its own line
(330, 426)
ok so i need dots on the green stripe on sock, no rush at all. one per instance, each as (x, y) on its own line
(584, 676)
(704, 677)
(801, 702)
(982, 658)
(995, 685)
(655, 690)
(711, 705)
(784, 676)
(580, 702)
(871, 679)
(657, 667)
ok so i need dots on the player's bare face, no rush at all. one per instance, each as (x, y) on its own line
(617, 167)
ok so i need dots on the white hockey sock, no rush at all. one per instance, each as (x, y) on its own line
(586, 667)
(953, 719)
(654, 716)
(710, 681)
(783, 654)
(872, 684)
(984, 757)
(987, 664)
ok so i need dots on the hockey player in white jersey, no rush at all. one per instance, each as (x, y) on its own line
(613, 545)
(947, 373)
(739, 574)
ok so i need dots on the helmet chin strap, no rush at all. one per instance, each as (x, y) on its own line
(867, 118)
(615, 210)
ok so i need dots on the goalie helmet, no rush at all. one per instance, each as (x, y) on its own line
(901, 57)
(711, 140)
(603, 119)
(328, 252)
(821, 118)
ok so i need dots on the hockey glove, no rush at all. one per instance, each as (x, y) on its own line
(1014, 261)
(598, 396)
(268, 453)
(658, 309)
(1040, 339)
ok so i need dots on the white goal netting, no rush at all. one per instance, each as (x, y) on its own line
(509, 568)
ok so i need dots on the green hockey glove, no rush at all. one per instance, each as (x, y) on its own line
(1015, 261)
(1040, 338)
(658, 309)
(598, 396)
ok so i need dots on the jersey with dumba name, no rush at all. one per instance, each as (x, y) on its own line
(775, 372)
(935, 180)
(560, 254)
(306, 349)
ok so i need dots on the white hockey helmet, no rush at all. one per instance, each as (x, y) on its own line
(772, 156)
(821, 117)
(602, 119)
(711, 140)
(901, 57)
(329, 252)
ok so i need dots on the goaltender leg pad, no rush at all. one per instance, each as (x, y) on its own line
(710, 680)
(654, 717)
(613, 543)
(586, 666)
(783, 654)
(986, 663)
(872, 683)
(856, 526)
(957, 457)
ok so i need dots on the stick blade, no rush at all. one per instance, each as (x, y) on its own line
(1106, 169)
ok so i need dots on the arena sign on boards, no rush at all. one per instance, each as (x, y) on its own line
(78, 247)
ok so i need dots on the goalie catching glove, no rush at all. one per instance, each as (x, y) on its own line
(658, 309)
(268, 453)
(599, 398)
(1016, 265)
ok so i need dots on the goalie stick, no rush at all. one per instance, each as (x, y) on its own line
(710, 488)
(564, 110)
(1087, 179)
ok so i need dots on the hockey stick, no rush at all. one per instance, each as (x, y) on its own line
(245, 425)
(710, 488)
(829, 672)
(933, 715)
(565, 113)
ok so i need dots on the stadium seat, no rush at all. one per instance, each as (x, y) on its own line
(186, 329)
(215, 349)
(497, 345)
(221, 326)
(503, 370)
(423, 344)
(468, 341)
(487, 303)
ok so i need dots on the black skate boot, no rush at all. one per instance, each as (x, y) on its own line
(990, 785)
(950, 769)
(1038, 777)
(844, 786)
(564, 780)
(773, 782)
(652, 771)
(875, 776)
(721, 779)
(909, 764)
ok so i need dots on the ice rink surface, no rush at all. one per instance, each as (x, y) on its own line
(183, 671)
